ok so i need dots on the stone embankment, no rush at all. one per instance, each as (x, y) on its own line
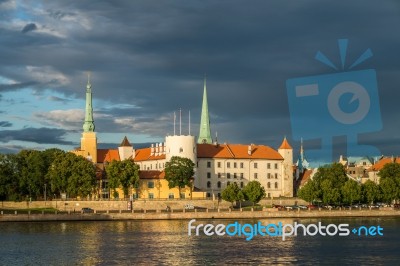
(172, 214)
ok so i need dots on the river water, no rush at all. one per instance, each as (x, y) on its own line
(168, 243)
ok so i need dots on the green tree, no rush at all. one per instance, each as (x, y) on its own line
(389, 189)
(9, 177)
(308, 192)
(72, 174)
(370, 192)
(254, 192)
(390, 182)
(351, 191)
(32, 171)
(179, 172)
(82, 180)
(232, 193)
(330, 193)
(122, 173)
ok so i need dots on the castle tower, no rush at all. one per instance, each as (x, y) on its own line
(89, 139)
(126, 150)
(286, 151)
(205, 132)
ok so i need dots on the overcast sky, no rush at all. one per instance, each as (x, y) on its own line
(148, 59)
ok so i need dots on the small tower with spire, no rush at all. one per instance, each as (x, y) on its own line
(286, 151)
(126, 150)
(205, 131)
(89, 139)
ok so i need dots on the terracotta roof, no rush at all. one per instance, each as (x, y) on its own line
(144, 155)
(305, 177)
(285, 145)
(108, 155)
(381, 163)
(237, 151)
(151, 174)
(125, 143)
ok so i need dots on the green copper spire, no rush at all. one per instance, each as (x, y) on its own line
(205, 132)
(88, 126)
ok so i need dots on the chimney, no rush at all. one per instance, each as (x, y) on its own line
(249, 148)
(152, 150)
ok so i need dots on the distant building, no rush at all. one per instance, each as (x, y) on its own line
(373, 171)
(357, 167)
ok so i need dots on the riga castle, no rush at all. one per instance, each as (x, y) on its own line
(217, 165)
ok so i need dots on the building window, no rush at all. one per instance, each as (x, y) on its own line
(150, 184)
(228, 175)
(269, 185)
(208, 194)
(181, 150)
(208, 175)
(241, 175)
(228, 165)
(241, 184)
(268, 166)
(255, 175)
(255, 165)
(219, 164)
(269, 195)
(151, 196)
(276, 176)
(276, 184)
(234, 165)
(151, 166)
(219, 184)
(171, 195)
(234, 175)
(228, 183)
(208, 184)
(268, 175)
(241, 165)
(219, 175)
(276, 166)
(208, 164)
(182, 195)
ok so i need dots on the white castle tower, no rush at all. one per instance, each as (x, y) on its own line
(286, 151)
(182, 146)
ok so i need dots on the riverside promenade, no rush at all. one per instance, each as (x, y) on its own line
(176, 214)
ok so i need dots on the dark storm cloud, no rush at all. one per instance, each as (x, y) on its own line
(36, 135)
(153, 56)
(29, 27)
(16, 86)
(5, 123)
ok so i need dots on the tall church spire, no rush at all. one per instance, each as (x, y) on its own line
(88, 126)
(205, 132)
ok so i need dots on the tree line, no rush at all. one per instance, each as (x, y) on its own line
(32, 175)
(330, 185)
(36, 175)
(252, 191)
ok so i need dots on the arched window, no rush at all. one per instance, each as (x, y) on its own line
(208, 184)
(219, 184)
(269, 185)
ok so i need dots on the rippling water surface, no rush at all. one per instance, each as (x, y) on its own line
(167, 242)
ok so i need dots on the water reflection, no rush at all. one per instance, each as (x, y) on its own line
(167, 242)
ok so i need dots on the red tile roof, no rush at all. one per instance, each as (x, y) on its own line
(237, 151)
(306, 176)
(381, 163)
(108, 155)
(144, 155)
(285, 145)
